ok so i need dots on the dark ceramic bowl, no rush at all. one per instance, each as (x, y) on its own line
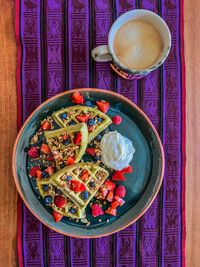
(142, 184)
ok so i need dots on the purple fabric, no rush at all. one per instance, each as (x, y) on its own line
(57, 38)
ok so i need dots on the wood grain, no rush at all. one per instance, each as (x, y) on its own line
(8, 130)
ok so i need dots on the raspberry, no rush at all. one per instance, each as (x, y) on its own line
(116, 120)
(120, 191)
(96, 210)
(33, 152)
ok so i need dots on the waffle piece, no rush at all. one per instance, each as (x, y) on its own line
(61, 143)
(91, 183)
(67, 116)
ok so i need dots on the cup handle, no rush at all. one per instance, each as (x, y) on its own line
(101, 53)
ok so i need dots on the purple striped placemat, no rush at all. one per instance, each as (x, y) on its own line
(54, 43)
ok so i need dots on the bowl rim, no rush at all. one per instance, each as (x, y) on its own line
(88, 90)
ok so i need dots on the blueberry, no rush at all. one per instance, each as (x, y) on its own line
(72, 123)
(72, 211)
(42, 168)
(92, 184)
(62, 165)
(66, 142)
(68, 178)
(48, 199)
(58, 191)
(90, 122)
(84, 195)
(45, 187)
(63, 116)
(97, 157)
(45, 174)
(98, 137)
(99, 119)
(87, 103)
(38, 143)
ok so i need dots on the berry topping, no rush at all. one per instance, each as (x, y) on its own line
(70, 161)
(119, 200)
(91, 184)
(38, 143)
(59, 201)
(62, 165)
(48, 199)
(45, 187)
(77, 186)
(82, 118)
(96, 210)
(103, 106)
(118, 176)
(84, 176)
(103, 192)
(114, 204)
(111, 211)
(39, 174)
(45, 149)
(110, 196)
(116, 120)
(77, 98)
(50, 170)
(72, 123)
(57, 191)
(33, 171)
(57, 216)
(97, 157)
(88, 103)
(66, 142)
(120, 191)
(127, 169)
(72, 210)
(65, 136)
(68, 178)
(98, 137)
(109, 185)
(84, 195)
(91, 151)
(50, 159)
(46, 125)
(45, 174)
(33, 152)
(64, 116)
(99, 119)
(77, 138)
(91, 122)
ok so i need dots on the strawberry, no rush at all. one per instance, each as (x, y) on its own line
(65, 136)
(59, 159)
(120, 191)
(50, 159)
(116, 120)
(46, 125)
(127, 169)
(111, 211)
(33, 170)
(57, 216)
(109, 185)
(96, 210)
(103, 106)
(84, 176)
(50, 170)
(77, 98)
(114, 204)
(59, 201)
(82, 118)
(118, 176)
(33, 152)
(77, 138)
(103, 193)
(110, 196)
(45, 149)
(39, 174)
(91, 151)
(70, 161)
(119, 200)
(77, 186)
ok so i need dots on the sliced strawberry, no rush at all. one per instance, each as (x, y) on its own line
(50, 170)
(103, 106)
(39, 174)
(78, 98)
(46, 125)
(59, 201)
(82, 118)
(65, 136)
(111, 211)
(109, 185)
(50, 159)
(103, 193)
(57, 216)
(33, 152)
(82, 187)
(118, 176)
(70, 161)
(110, 196)
(119, 200)
(45, 149)
(120, 191)
(116, 120)
(77, 186)
(91, 151)
(114, 204)
(127, 169)
(96, 210)
(77, 138)
(33, 171)
(84, 176)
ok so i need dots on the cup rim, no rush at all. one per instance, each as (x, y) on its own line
(147, 70)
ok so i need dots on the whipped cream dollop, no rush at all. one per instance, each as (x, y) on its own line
(117, 150)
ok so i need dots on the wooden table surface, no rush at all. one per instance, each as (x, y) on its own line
(8, 130)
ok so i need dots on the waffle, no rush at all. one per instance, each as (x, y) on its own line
(96, 178)
(60, 151)
(93, 113)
